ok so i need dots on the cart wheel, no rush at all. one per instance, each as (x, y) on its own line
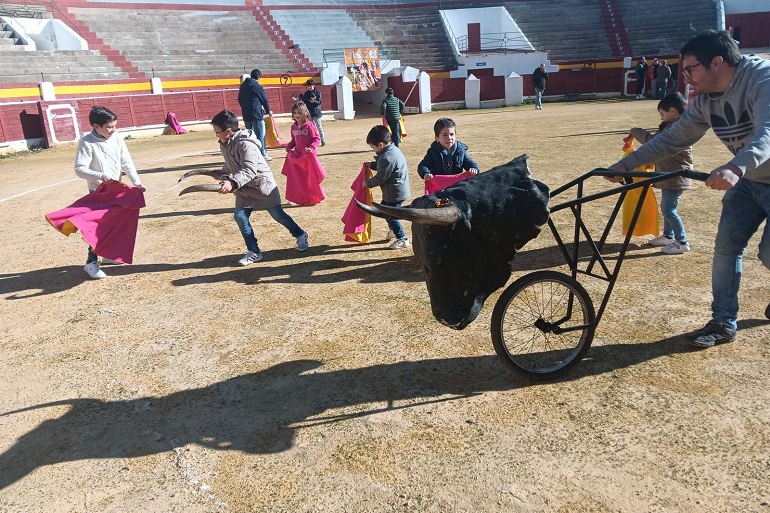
(543, 324)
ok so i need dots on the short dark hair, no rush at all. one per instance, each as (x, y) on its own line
(389, 91)
(675, 100)
(226, 119)
(441, 124)
(712, 43)
(378, 134)
(101, 115)
(256, 74)
(309, 82)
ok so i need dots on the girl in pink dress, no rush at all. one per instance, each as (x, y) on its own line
(303, 171)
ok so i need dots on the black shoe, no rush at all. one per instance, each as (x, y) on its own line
(767, 311)
(713, 333)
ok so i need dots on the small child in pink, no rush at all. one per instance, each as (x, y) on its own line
(303, 171)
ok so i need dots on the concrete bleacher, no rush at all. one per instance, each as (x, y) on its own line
(316, 30)
(569, 30)
(20, 66)
(417, 32)
(652, 33)
(177, 43)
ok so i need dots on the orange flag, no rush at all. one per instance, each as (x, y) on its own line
(647, 224)
(400, 124)
(358, 224)
(272, 135)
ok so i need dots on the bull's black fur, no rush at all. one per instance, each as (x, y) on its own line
(501, 210)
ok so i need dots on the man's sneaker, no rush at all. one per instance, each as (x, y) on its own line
(661, 241)
(268, 158)
(400, 243)
(676, 248)
(93, 271)
(302, 243)
(713, 333)
(390, 235)
(250, 258)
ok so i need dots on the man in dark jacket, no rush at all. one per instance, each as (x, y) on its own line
(312, 98)
(254, 106)
(539, 77)
(641, 73)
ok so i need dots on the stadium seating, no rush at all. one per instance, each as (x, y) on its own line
(18, 66)
(186, 43)
(652, 33)
(569, 30)
(316, 30)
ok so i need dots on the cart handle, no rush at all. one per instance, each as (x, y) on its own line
(695, 175)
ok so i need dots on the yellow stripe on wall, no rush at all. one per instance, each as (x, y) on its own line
(20, 92)
(101, 88)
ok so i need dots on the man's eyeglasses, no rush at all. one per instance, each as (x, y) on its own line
(688, 70)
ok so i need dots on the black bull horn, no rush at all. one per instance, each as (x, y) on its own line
(208, 172)
(441, 216)
(201, 187)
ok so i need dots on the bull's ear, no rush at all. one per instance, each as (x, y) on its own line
(445, 215)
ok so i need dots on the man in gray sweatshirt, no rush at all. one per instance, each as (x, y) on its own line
(733, 99)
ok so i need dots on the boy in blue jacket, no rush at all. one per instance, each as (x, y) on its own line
(447, 155)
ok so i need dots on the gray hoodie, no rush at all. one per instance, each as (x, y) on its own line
(740, 117)
(256, 186)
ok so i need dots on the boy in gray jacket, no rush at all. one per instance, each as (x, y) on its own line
(674, 238)
(732, 98)
(392, 177)
(248, 176)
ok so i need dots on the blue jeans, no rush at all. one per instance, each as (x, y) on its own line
(258, 126)
(395, 131)
(660, 90)
(744, 207)
(673, 227)
(320, 126)
(395, 224)
(539, 97)
(277, 212)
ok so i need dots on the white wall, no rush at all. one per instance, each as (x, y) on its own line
(47, 34)
(746, 6)
(493, 20)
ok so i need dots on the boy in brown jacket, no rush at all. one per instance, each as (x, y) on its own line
(674, 238)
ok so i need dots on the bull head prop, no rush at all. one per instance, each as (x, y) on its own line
(203, 187)
(465, 236)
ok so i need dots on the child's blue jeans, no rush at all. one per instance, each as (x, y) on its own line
(277, 212)
(395, 224)
(673, 227)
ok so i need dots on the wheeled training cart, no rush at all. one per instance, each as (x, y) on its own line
(544, 322)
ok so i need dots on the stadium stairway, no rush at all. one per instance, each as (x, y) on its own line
(282, 40)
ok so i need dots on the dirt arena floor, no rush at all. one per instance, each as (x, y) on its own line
(320, 382)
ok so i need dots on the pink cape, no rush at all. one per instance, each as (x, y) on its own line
(174, 124)
(440, 182)
(107, 218)
(304, 175)
(358, 224)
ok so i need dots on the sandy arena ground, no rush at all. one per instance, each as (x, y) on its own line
(319, 381)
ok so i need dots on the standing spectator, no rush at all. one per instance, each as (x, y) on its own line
(254, 106)
(661, 81)
(392, 108)
(652, 74)
(732, 97)
(641, 72)
(312, 99)
(539, 78)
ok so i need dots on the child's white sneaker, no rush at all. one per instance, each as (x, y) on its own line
(400, 243)
(661, 241)
(302, 242)
(250, 258)
(93, 271)
(676, 248)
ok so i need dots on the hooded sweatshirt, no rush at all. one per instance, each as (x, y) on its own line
(440, 161)
(740, 117)
(244, 163)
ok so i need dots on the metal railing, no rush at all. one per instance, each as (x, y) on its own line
(497, 42)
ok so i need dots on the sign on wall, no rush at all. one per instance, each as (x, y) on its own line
(363, 68)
